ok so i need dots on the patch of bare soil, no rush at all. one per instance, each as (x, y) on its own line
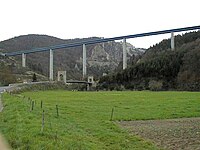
(171, 134)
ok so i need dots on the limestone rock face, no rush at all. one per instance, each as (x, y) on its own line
(110, 54)
(99, 53)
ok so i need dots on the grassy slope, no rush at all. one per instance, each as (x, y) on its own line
(83, 121)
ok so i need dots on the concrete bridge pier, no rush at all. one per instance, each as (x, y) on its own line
(172, 41)
(23, 60)
(51, 65)
(84, 61)
(124, 54)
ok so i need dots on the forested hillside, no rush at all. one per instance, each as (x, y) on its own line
(160, 68)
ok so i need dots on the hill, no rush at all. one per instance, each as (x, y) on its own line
(11, 71)
(160, 68)
(101, 58)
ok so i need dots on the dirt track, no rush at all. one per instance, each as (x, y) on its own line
(171, 134)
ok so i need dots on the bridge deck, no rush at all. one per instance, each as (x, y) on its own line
(88, 42)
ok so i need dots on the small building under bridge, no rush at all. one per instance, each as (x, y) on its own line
(89, 83)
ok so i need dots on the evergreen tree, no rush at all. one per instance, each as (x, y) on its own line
(34, 78)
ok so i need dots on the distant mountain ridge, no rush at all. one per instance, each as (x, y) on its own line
(100, 57)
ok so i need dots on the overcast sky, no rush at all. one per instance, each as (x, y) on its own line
(69, 19)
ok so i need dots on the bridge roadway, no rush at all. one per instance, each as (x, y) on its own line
(3, 88)
(77, 81)
(89, 42)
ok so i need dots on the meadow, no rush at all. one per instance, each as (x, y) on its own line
(83, 119)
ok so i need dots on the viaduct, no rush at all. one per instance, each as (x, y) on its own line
(51, 49)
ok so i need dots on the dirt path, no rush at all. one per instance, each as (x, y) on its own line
(171, 134)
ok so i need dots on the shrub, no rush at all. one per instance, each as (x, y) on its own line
(155, 85)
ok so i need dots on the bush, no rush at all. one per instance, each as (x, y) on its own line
(155, 85)
(34, 78)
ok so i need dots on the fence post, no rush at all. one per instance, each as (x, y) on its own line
(32, 105)
(111, 117)
(42, 129)
(57, 110)
(41, 104)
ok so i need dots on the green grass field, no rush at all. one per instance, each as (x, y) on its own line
(84, 118)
